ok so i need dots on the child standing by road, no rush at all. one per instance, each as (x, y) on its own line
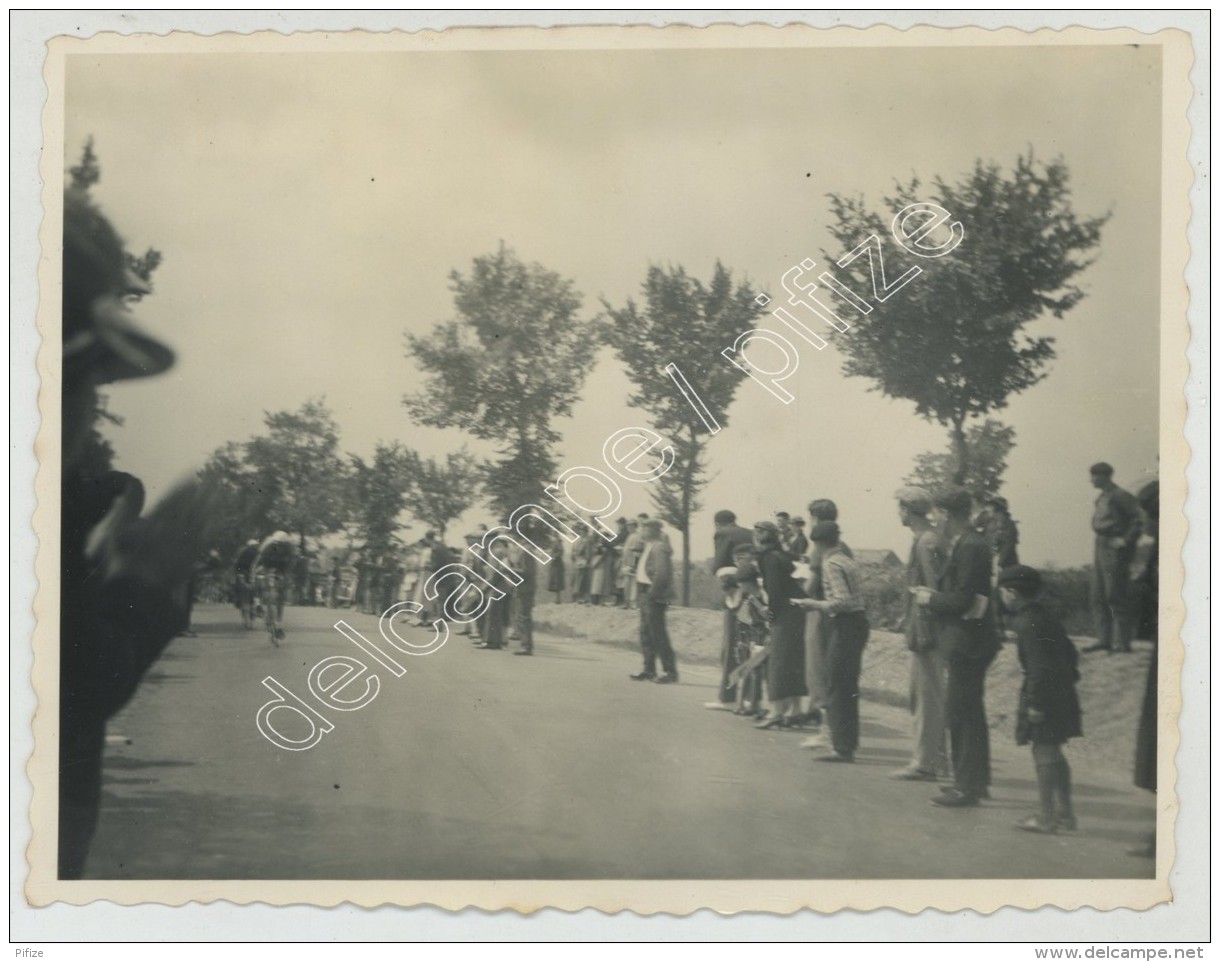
(1048, 713)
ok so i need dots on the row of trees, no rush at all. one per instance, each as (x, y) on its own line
(294, 477)
(516, 353)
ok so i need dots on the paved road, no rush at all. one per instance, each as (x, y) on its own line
(480, 764)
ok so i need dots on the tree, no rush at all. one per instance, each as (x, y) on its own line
(987, 447)
(685, 323)
(241, 501)
(97, 456)
(953, 340)
(297, 463)
(512, 360)
(88, 172)
(436, 492)
(378, 496)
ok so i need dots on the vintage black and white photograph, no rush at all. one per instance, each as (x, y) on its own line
(613, 456)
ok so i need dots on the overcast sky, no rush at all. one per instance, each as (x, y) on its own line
(311, 206)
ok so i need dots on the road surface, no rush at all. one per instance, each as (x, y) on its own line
(480, 764)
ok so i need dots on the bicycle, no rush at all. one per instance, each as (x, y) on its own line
(248, 601)
(273, 602)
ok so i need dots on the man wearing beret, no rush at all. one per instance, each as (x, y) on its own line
(1116, 528)
(966, 632)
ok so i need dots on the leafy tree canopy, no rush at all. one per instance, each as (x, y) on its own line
(511, 361)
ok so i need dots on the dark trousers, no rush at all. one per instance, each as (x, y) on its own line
(654, 636)
(847, 636)
(1110, 595)
(493, 624)
(728, 657)
(523, 619)
(966, 718)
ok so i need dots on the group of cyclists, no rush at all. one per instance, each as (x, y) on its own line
(260, 574)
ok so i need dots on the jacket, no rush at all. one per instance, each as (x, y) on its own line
(966, 576)
(659, 566)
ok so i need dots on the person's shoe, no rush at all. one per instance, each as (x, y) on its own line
(955, 799)
(771, 721)
(644, 676)
(519, 652)
(913, 775)
(837, 757)
(483, 646)
(1036, 823)
(669, 678)
(1065, 823)
(950, 788)
(718, 705)
(279, 633)
(817, 742)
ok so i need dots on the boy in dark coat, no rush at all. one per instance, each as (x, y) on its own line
(1048, 713)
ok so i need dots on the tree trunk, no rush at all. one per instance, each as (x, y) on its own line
(960, 452)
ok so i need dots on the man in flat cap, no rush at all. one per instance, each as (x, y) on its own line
(1116, 528)
(928, 667)
(654, 577)
(123, 576)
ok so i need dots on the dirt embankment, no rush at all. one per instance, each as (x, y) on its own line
(1111, 687)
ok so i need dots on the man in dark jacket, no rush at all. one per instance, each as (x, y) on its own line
(729, 535)
(123, 578)
(966, 633)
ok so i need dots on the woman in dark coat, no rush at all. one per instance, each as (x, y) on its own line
(1048, 713)
(786, 642)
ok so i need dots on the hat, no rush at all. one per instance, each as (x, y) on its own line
(724, 517)
(654, 523)
(766, 526)
(102, 342)
(917, 499)
(1021, 577)
(1101, 468)
(999, 502)
(825, 531)
(799, 522)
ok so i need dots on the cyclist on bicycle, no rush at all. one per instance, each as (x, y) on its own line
(243, 581)
(275, 557)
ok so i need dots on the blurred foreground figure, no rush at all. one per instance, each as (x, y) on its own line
(123, 587)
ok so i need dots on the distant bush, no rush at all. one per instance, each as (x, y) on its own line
(1066, 592)
(885, 595)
